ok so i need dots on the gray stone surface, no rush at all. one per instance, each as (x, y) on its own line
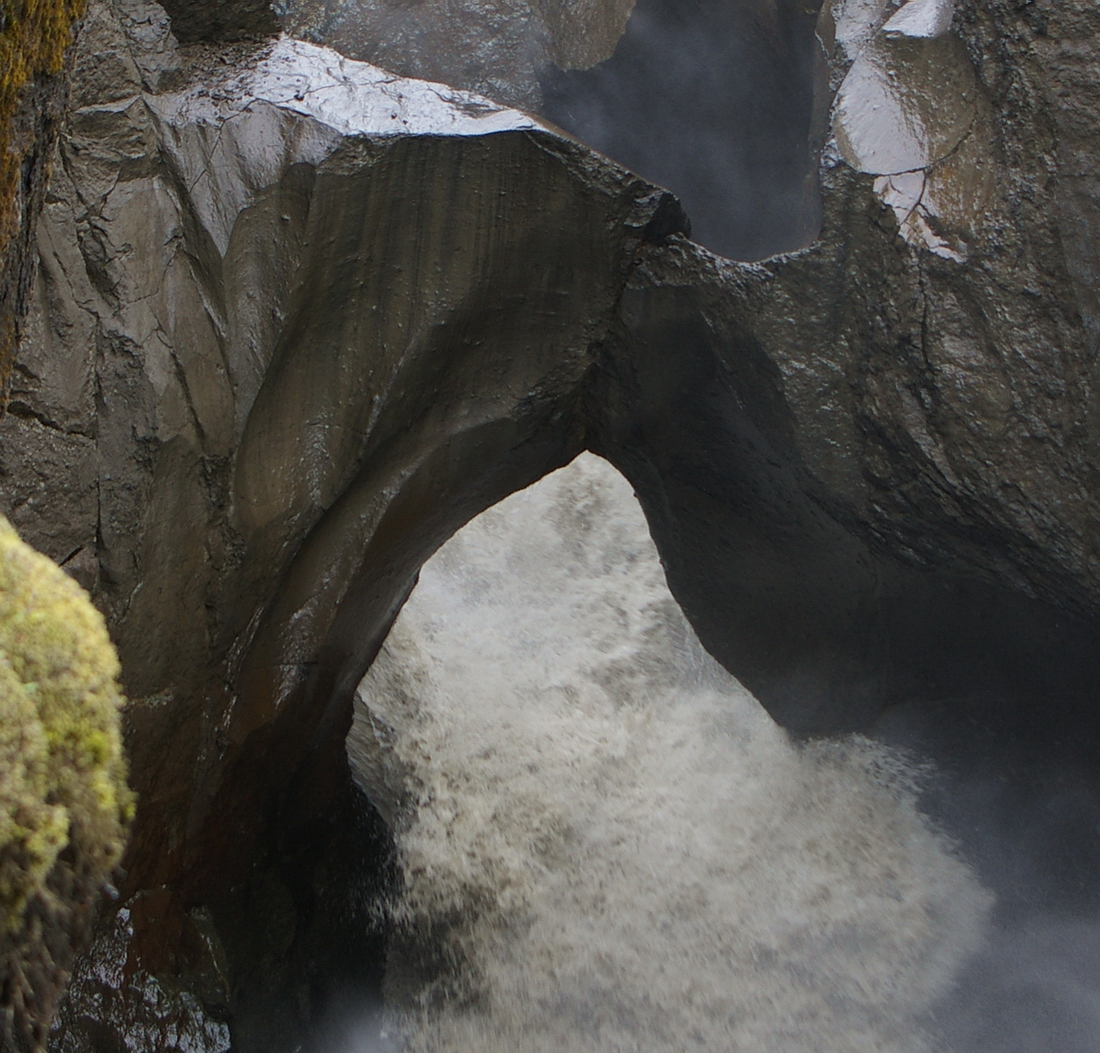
(968, 393)
(296, 320)
(926, 381)
(496, 47)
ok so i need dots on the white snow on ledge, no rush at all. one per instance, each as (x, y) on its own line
(352, 98)
(921, 18)
(231, 134)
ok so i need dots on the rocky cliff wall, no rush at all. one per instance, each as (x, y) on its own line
(295, 320)
(33, 42)
(937, 352)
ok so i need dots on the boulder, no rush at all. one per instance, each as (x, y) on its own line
(64, 802)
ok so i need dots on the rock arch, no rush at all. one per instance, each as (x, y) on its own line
(296, 320)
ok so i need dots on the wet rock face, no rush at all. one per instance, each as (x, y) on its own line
(971, 388)
(496, 47)
(295, 320)
(186, 371)
(114, 993)
(930, 369)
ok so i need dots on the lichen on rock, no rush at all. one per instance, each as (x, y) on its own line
(64, 801)
(34, 35)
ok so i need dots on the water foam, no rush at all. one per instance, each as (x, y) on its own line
(607, 844)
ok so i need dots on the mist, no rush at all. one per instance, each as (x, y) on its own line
(1019, 790)
(606, 842)
(712, 99)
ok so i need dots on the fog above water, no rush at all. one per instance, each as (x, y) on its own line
(605, 841)
(712, 99)
(1020, 789)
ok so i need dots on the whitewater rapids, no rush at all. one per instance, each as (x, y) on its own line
(607, 845)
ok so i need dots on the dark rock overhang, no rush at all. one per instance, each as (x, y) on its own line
(296, 320)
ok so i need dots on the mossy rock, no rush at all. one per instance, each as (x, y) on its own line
(34, 36)
(64, 802)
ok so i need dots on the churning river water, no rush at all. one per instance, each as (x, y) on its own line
(605, 842)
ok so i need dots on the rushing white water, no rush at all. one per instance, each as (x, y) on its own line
(606, 843)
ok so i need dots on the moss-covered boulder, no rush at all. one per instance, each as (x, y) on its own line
(64, 801)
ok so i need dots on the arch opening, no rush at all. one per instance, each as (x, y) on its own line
(604, 838)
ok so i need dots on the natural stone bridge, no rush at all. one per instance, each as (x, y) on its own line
(297, 320)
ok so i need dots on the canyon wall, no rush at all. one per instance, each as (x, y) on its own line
(496, 48)
(33, 42)
(295, 320)
(894, 490)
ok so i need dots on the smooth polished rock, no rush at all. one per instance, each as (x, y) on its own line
(904, 105)
(296, 320)
(911, 110)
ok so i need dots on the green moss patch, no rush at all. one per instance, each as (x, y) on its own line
(64, 802)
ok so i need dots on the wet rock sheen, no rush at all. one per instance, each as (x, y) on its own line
(295, 320)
